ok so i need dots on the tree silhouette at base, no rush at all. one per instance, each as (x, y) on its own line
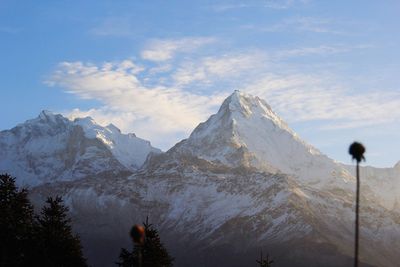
(264, 262)
(16, 224)
(29, 240)
(58, 245)
(151, 253)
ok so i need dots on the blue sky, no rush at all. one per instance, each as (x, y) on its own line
(158, 68)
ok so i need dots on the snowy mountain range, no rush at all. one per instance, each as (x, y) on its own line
(53, 148)
(243, 181)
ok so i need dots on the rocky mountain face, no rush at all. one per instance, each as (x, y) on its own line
(52, 148)
(241, 183)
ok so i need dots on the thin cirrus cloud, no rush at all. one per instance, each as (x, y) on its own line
(321, 50)
(272, 4)
(319, 97)
(152, 113)
(210, 69)
(165, 114)
(162, 50)
(284, 4)
(301, 24)
(318, 50)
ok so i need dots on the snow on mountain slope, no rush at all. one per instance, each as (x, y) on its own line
(383, 182)
(51, 147)
(200, 206)
(246, 131)
(130, 150)
(242, 181)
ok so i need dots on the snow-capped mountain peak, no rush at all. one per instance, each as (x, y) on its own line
(248, 105)
(46, 115)
(243, 168)
(52, 147)
(247, 131)
(45, 119)
(130, 150)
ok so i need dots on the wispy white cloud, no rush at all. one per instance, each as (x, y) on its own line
(212, 68)
(317, 50)
(272, 4)
(300, 24)
(229, 6)
(241, 68)
(319, 97)
(152, 113)
(165, 49)
(136, 98)
(321, 50)
(284, 4)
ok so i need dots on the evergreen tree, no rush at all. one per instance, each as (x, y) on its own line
(26, 240)
(16, 224)
(129, 259)
(264, 262)
(58, 245)
(152, 252)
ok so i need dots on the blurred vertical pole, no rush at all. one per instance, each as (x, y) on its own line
(357, 215)
(140, 256)
(357, 150)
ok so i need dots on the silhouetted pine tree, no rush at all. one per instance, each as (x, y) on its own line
(58, 245)
(16, 224)
(26, 240)
(264, 262)
(129, 259)
(153, 253)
